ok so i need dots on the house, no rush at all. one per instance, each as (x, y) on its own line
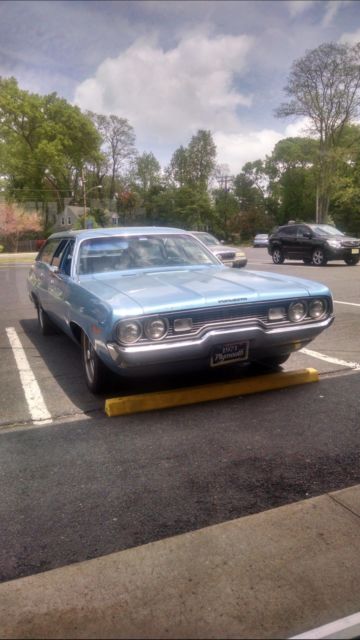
(69, 217)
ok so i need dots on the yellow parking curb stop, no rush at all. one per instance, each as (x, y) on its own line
(204, 393)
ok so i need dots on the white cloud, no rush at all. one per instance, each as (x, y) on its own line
(332, 7)
(297, 7)
(173, 93)
(350, 38)
(238, 148)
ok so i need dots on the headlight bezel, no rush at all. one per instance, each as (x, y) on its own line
(312, 303)
(147, 331)
(143, 326)
(302, 316)
(121, 325)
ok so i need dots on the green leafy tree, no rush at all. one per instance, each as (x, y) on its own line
(44, 144)
(324, 86)
(345, 202)
(194, 165)
(292, 179)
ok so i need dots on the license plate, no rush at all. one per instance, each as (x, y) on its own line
(354, 250)
(227, 353)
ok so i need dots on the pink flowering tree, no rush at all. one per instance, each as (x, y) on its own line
(15, 223)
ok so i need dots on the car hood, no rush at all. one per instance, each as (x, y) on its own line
(171, 290)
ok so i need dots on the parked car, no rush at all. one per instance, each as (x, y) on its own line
(261, 240)
(231, 256)
(145, 301)
(313, 243)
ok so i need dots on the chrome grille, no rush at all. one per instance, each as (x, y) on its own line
(350, 243)
(207, 319)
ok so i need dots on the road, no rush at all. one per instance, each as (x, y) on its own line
(82, 485)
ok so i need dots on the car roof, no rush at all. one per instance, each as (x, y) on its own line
(115, 231)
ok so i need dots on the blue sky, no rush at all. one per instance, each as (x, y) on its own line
(172, 67)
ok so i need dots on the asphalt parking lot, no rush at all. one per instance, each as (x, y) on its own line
(79, 485)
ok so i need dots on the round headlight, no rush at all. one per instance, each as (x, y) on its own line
(128, 331)
(155, 329)
(297, 311)
(317, 308)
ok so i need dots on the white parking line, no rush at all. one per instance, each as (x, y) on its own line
(322, 356)
(33, 395)
(351, 304)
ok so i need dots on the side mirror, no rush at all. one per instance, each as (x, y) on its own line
(54, 269)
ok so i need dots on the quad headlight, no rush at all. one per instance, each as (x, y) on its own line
(317, 308)
(128, 331)
(297, 311)
(155, 328)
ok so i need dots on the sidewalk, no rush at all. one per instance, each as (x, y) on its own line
(271, 575)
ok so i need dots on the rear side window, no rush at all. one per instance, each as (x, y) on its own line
(50, 247)
(290, 231)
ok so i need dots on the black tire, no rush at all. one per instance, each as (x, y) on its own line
(277, 256)
(45, 325)
(318, 257)
(307, 260)
(351, 261)
(96, 373)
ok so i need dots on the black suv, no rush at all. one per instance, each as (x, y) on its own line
(312, 243)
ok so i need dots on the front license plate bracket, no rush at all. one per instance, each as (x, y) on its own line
(229, 352)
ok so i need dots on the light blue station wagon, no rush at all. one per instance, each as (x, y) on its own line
(152, 300)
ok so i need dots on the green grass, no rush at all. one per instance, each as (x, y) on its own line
(15, 259)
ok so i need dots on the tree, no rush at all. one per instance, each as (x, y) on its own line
(324, 87)
(44, 143)
(345, 202)
(146, 172)
(194, 165)
(119, 143)
(292, 179)
(15, 222)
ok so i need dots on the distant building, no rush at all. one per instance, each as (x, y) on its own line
(71, 214)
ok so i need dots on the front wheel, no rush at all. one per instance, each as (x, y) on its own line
(318, 257)
(96, 373)
(277, 256)
(352, 260)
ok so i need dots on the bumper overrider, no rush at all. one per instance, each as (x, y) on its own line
(262, 342)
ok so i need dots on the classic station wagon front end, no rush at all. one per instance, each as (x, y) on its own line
(145, 301)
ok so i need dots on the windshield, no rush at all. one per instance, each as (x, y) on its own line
(119, 253)
(326, 230)
(207, 239)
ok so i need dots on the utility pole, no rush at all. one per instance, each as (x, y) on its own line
(84, 195)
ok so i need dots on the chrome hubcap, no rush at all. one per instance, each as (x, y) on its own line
(318, 257)
(89, 359)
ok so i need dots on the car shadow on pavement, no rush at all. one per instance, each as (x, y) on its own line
(62, 357)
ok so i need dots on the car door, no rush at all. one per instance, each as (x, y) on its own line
(42, 271)
(304, 243)
(60, 283)
(289, 241)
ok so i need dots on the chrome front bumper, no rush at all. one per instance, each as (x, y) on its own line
(263, 342)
